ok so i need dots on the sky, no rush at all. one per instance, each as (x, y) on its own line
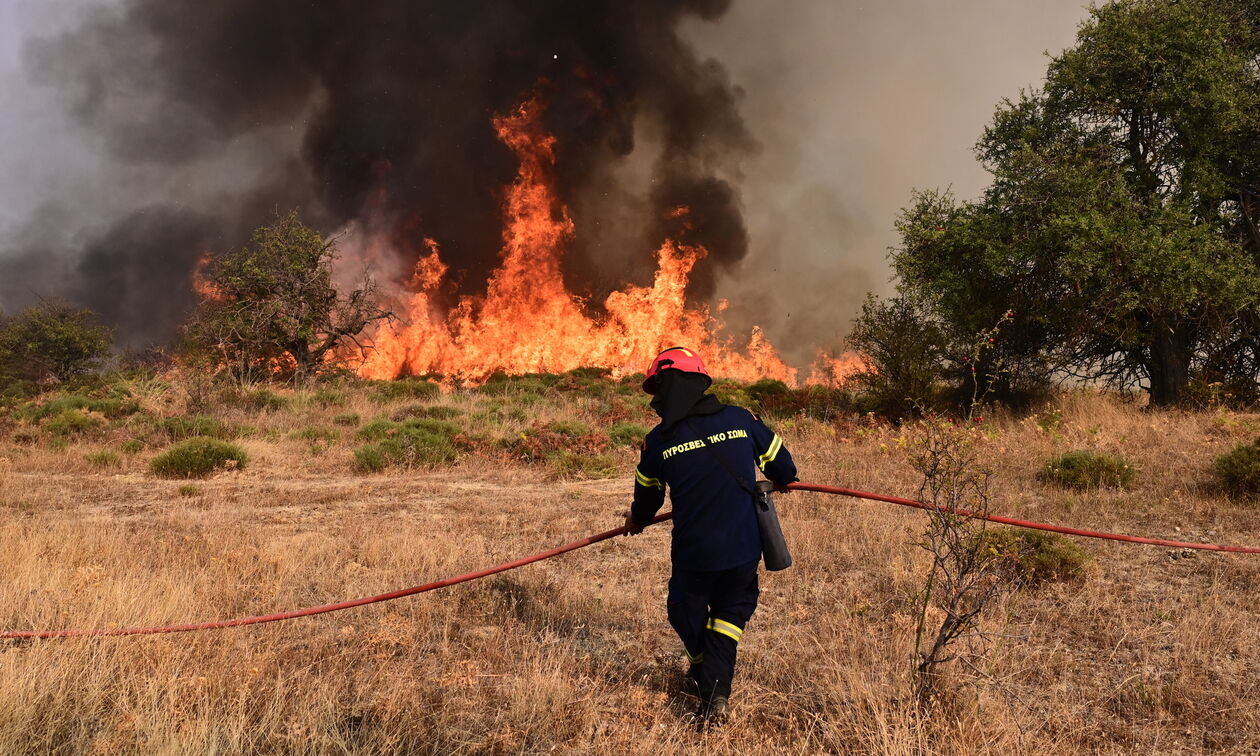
(853, 104)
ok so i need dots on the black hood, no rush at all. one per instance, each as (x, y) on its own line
(680, 395)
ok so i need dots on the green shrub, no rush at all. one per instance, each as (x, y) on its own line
(627, 434)
(73, 423)
(327, 398)
(370, 458)
(51, 338)
(1239, 469)
(565, 463)
(430, 411)
(375, 430)
(318, 435)
(732, 392)
(198, 458)
(103, 458)
(404, 388)
(131, 446)
(112, 408)
(1035, 557)
(767, 388)
(1085, 469)
(349, 420)
(183, 427)
(264, 400)
(569, 428)
(416, 442)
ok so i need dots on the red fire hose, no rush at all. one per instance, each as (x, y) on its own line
(589, 540)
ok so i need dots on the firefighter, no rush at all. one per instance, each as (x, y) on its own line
(706, 452)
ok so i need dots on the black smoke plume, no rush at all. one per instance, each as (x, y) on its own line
(385, 109)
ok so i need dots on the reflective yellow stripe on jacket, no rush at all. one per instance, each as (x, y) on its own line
(775, 445)
(644, 480)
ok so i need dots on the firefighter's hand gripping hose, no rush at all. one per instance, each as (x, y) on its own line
(557, 551)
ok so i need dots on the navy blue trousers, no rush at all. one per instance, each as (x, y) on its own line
(709, 611)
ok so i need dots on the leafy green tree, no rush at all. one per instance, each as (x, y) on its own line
(1120, 222)
(270, 309)
(52, 341)
(904, 346)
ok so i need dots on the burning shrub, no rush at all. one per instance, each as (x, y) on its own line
(1085, 469)
(198, 458)
(270, 309)
(1035, 557)
(1239, 469)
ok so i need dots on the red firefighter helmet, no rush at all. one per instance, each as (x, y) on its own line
(674, 358)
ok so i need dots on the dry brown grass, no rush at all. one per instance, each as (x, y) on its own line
(1148, 653)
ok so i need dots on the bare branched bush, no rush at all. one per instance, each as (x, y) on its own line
(963, 580)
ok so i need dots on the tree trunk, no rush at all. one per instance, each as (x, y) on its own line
(1169, 367)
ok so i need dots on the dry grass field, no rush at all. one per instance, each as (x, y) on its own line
(1150, 652)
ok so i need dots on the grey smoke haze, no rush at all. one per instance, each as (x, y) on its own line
(137, 134)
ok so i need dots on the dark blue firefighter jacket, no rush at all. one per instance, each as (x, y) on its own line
(715, 526)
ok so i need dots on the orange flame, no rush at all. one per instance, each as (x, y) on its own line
(528, 321)
(204, 289)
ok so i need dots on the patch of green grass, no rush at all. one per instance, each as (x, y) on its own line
(404, 388)
(566, 464)
(429, 411)
(264, 400)
(198, 458)
(328, 398)
(318, 439)
(111, 407)
(370, 459)
(1239, 469)
(73, 422)
(731, 392)
(183, 427)
(1083, 470)
(103, 459)
(1035, 557)
(188, 490)
(627, 434)
(413, 443)
(317, 433)
(347, 420)
(131, 446)
(569, 428)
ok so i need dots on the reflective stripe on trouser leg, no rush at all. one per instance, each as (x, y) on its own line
(729, 629)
